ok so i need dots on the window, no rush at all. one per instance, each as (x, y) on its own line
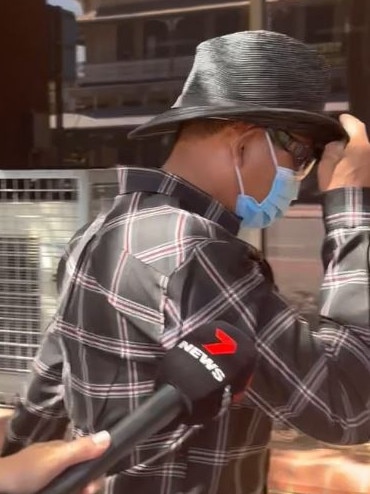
(188, 33)
(320, 26)
(228, 21)
(155, 39)
(125, 41)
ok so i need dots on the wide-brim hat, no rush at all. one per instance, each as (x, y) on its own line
(261, 77)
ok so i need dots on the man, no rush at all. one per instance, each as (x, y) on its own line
(166, 260)
(33, 468)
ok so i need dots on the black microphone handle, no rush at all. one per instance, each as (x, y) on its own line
(153, 415)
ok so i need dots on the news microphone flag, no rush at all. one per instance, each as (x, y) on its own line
(206, 361)
(193, 376)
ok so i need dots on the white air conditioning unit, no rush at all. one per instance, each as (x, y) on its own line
(39, 212)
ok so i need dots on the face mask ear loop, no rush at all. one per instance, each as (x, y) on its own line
(272, 150)
(239, 179)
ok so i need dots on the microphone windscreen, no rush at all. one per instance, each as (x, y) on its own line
(207, 360)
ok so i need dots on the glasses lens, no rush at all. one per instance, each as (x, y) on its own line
(304, 156)
(303, 172)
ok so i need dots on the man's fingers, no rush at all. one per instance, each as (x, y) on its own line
(5, 416)
(34, 467)
(332, 155)
(333, 152)
(85, 448)
(354, 127)
(352, 168)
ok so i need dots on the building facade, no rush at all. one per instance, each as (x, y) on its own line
(139, 52)
(138, 55)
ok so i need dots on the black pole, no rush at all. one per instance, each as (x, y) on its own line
(359, 59)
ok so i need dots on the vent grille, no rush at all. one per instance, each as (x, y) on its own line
(41, 189)
(19, 302)
(39, 213)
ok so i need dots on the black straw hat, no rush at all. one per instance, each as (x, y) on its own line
(261, 77)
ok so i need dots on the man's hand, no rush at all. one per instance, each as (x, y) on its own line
(5, 416)
(346, 166)
(34, 467)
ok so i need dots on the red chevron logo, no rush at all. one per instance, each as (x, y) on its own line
(225, 346)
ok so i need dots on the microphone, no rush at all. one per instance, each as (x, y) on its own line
(192, 379)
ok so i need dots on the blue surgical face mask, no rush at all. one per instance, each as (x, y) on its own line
(284, 190)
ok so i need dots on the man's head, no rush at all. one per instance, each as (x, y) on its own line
(250, 108)
(226, 158)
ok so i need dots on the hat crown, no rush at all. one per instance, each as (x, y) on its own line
(265, 78)
(264, 68)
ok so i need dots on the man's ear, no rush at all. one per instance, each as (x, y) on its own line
(240, 146)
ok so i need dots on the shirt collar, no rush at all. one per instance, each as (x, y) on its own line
(132, 179)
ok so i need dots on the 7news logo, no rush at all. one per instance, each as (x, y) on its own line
(224, 346)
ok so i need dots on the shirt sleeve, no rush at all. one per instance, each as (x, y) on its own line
(316, 381)
(41, 415)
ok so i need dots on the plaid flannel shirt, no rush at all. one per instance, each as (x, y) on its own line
(164, 261)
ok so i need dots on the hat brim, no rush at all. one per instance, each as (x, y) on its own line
(321, 127)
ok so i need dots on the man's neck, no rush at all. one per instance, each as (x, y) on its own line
(191, 166)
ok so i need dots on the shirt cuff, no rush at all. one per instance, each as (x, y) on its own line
(346, 208)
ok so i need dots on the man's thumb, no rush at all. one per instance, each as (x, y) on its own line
(353, 126)
(333, 153)
(87, 448)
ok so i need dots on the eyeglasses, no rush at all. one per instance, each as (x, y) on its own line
(305, 156)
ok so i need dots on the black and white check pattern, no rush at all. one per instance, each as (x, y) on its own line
(164, 261)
